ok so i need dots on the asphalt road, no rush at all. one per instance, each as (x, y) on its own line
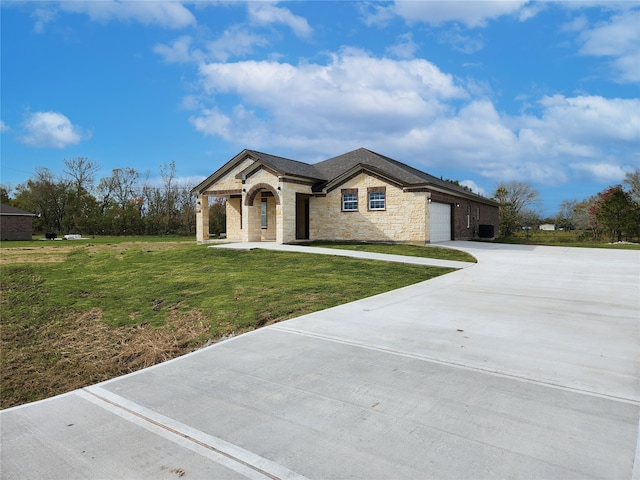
(525, 365)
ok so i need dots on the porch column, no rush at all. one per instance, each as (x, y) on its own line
(202, 218)
(251, 228)
(287, 214)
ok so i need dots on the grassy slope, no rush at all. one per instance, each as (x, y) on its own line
(78, 313)
(427, 251)
(573, 238)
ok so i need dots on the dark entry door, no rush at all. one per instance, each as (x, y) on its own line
(302, 216)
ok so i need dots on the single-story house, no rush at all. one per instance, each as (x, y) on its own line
(15, 224)
(358, 196)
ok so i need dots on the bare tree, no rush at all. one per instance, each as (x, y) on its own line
(170, 194)
(565, 219)
(120, 187)
(632, 179)
(514, 198)
(82, 171)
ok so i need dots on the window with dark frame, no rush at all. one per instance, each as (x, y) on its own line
(349, 200)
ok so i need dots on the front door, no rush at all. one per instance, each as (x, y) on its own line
(302, 216)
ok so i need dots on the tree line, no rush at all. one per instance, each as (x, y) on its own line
(612, 214)
(123, 203)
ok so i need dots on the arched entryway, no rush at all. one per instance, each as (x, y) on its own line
(260, 205)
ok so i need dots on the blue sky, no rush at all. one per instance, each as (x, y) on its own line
(478, 91)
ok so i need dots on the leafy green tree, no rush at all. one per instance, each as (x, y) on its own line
(5, 197)
(617, 213)
(48, 196)
(218, 216)
(457, 184)
(514, 198)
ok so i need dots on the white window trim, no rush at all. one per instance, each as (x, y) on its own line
(345, 202)
(383, 199)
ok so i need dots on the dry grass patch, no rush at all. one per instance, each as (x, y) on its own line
(11, 256)
(81, 350)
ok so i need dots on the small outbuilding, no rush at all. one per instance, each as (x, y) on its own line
(358, 196)
(15, 224)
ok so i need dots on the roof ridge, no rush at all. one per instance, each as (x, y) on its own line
(403, 165)
(288, 166)
(278, 156)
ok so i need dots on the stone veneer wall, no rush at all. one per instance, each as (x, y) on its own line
(288, 209)
(269, 233)
(229, 181)
(234, 211)
(251, 214)
(403, 220)
(202, 218)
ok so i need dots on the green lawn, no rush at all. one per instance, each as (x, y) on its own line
(427, 251)
(79, 312)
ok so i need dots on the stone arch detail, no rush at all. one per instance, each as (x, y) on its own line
(253, 191)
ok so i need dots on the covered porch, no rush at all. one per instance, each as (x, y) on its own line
(253, 215)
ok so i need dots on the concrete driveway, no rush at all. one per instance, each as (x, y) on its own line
(525, 365)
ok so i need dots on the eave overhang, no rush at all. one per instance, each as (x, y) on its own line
(221, 172)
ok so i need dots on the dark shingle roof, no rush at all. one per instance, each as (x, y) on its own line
(336, 166)
(403, 173)
(287, 166)
(9, 210)
(327, 171)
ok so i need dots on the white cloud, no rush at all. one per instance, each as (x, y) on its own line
(472, 13)
(461, 43)
(405, 47)
(376, 15)
(213, 122)
(50, 129)
(585, 120)
(43, 16)
(191, 102)
(602, 172)
(268, 14)
(4, 127)
(335, 98)
(618, 39)
(474, 187)
(411, 110)
(235, 41)
(179, 51)
(168, 14)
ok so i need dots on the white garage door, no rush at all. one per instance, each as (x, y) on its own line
(440, 224)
